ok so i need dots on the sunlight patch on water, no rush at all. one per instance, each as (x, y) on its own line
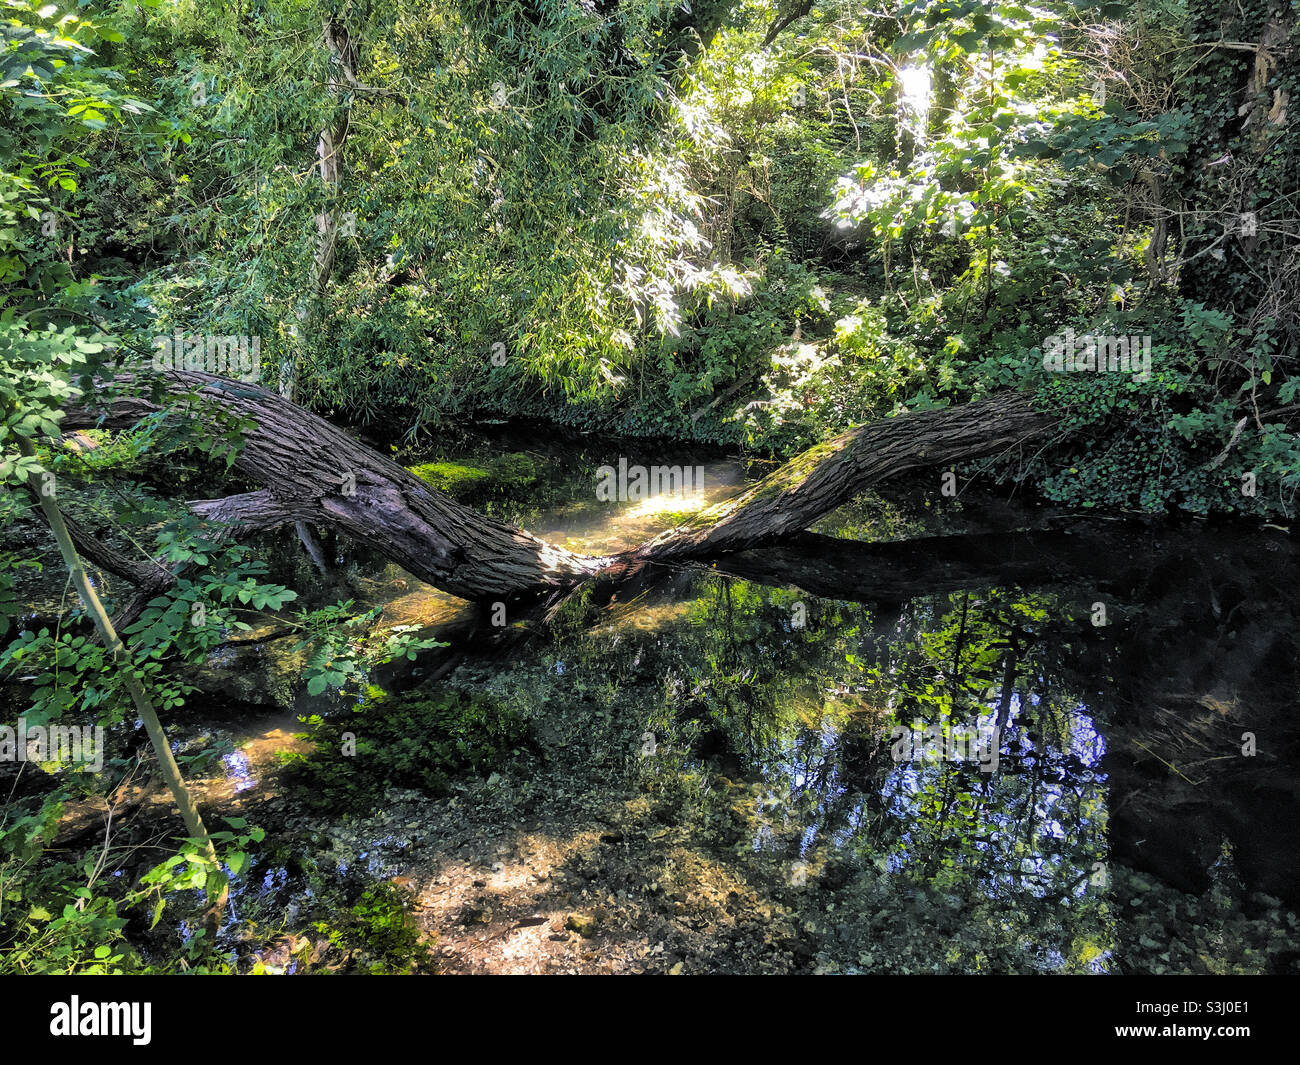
(237, 771)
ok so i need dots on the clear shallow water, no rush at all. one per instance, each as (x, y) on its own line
(747, 730)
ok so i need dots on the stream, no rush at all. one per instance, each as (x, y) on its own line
(1011, 766)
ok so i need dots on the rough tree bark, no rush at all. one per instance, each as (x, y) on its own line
(831, 473)
(311, 470)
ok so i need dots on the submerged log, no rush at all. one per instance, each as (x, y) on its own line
(310, 470)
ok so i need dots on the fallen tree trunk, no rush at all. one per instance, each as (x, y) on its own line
(830, 474)
(311, 470)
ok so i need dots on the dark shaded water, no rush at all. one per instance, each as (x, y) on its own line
(1142, 813)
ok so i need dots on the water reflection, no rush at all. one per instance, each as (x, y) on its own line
(237, 771)
(1012, 870)
(1122, 827)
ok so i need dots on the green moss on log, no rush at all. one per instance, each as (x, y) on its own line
(467, 482)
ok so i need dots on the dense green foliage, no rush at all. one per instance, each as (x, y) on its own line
(658, 223)
(633, 219)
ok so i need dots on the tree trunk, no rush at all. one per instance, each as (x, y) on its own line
(313, 471)
(830, 474)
